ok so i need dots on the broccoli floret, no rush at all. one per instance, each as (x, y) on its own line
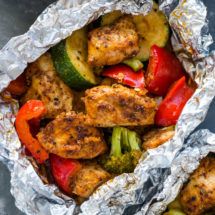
(125, 151)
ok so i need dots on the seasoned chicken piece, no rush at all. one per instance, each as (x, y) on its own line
(88, 179)
(157, 137)
(108, 106)
(45, 85)
(110, 45)
(198, 195)
(68, 137)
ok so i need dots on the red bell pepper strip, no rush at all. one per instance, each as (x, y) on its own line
(125, 75)
(33, 109)
(163, 70)
(171, 107)
(18, 86)
(63, 170)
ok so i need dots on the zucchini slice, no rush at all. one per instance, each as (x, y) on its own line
(111, 17)
(153, 29)
(70, 60)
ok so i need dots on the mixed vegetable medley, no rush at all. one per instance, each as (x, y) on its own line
(96, 101)
(198, 194)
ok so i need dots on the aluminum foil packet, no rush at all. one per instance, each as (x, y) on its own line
(196, 148)
(127, 193)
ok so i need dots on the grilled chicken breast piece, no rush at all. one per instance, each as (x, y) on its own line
(88, 179)
(46, 86)
(157, 137)
(112, 44)
(108, 106)
(198, 195)
(68, 137)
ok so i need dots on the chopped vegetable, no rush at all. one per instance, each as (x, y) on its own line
(70, 60)
(173, 104)
(163, 70)
(135, 64)
(18, 86)
(63, 170)
(125, 151)
(111, 17)
(174, 212)
(153, 29)
(33, 109)
(125, 75)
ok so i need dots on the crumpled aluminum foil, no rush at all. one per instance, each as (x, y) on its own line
(127, 193)
(197, 147)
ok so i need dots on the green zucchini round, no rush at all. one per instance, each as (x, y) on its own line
(70, 61)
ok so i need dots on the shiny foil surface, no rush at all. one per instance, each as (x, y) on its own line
(197, 147)
(128, 193)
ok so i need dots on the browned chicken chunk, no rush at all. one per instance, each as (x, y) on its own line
(45, 85)
(68, 137)
(198, 195)
(108, 106)
(157, 137)
(88, 179)
(110, 45)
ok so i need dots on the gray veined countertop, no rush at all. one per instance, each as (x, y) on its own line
(16, 17)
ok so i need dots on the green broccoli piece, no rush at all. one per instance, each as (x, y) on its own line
(125, 152)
